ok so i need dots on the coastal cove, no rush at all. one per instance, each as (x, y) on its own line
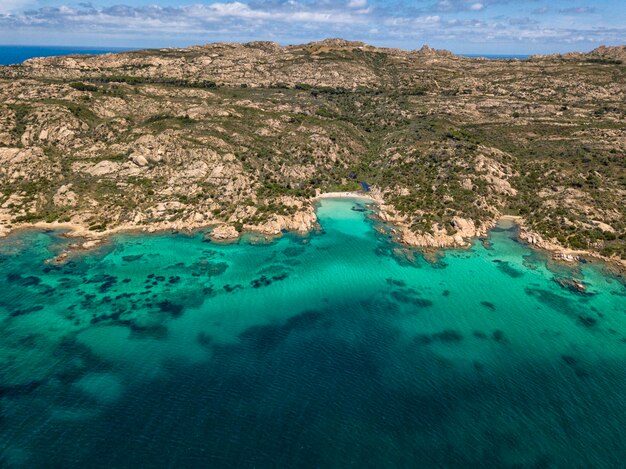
(335, 348)
(84, 239)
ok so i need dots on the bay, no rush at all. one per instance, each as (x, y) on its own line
(336, 349)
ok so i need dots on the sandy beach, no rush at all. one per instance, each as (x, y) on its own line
(347, 195)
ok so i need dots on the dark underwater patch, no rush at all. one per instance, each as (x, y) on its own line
(395, 283)
(574, 363)
(424, 339)
(106, 282)
(304, 320)
(447, 336)
(264, 281)
(587, 321)
(499, 337)
(488, 305)
(407, 297)
(27, 281)
(569, 360)
(114, 316)
(211, 269)
(506, 269)
(132, 258)
(553, 300)
(17, 390)
(269, 337)
(101, 278)
(231, 288)
(294, 251)
(271, 269)
(24, 311)
(155, 331)
(171, 308)
(204, 339)
(563, 305)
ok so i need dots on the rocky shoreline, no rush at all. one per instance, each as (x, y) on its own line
(305, 221)
(247, 137)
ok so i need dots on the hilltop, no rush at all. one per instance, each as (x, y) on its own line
(245, 135)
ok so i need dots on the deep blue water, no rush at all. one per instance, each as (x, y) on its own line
(10, 55)
(335, 350)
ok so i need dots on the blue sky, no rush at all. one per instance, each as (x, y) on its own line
(463, 26)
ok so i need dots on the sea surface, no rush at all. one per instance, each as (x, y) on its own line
(10, 55)
(339, 349)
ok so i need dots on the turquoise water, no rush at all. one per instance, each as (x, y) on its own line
(339, 349)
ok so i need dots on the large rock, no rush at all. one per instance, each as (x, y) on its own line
(65, 197)
(103, 168)
(224, 233)
(138, 159)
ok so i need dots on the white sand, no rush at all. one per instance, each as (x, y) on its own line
(347, 195)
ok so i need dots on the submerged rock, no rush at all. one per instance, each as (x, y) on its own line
(571, 284)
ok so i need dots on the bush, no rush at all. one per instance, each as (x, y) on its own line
(84, 87)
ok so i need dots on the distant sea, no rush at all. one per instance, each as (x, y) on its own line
(496, 56)
(17, 54)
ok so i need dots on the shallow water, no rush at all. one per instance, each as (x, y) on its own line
(339, 349)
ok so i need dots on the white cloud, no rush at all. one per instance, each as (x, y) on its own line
(578, 10)
(237, 9)
(427, 20)
(357, 4)
(9, 6)
(291, 20)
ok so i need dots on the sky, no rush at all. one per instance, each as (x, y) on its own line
(462, 26)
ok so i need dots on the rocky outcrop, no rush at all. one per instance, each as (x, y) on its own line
(65, 196)
(465, 231)
(25, 164)
(301, 222)
(224, 233)
(601, 53)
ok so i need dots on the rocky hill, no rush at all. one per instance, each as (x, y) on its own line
(246, 134)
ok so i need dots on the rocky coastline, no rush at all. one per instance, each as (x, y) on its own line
(305, 221)
(244, 138)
